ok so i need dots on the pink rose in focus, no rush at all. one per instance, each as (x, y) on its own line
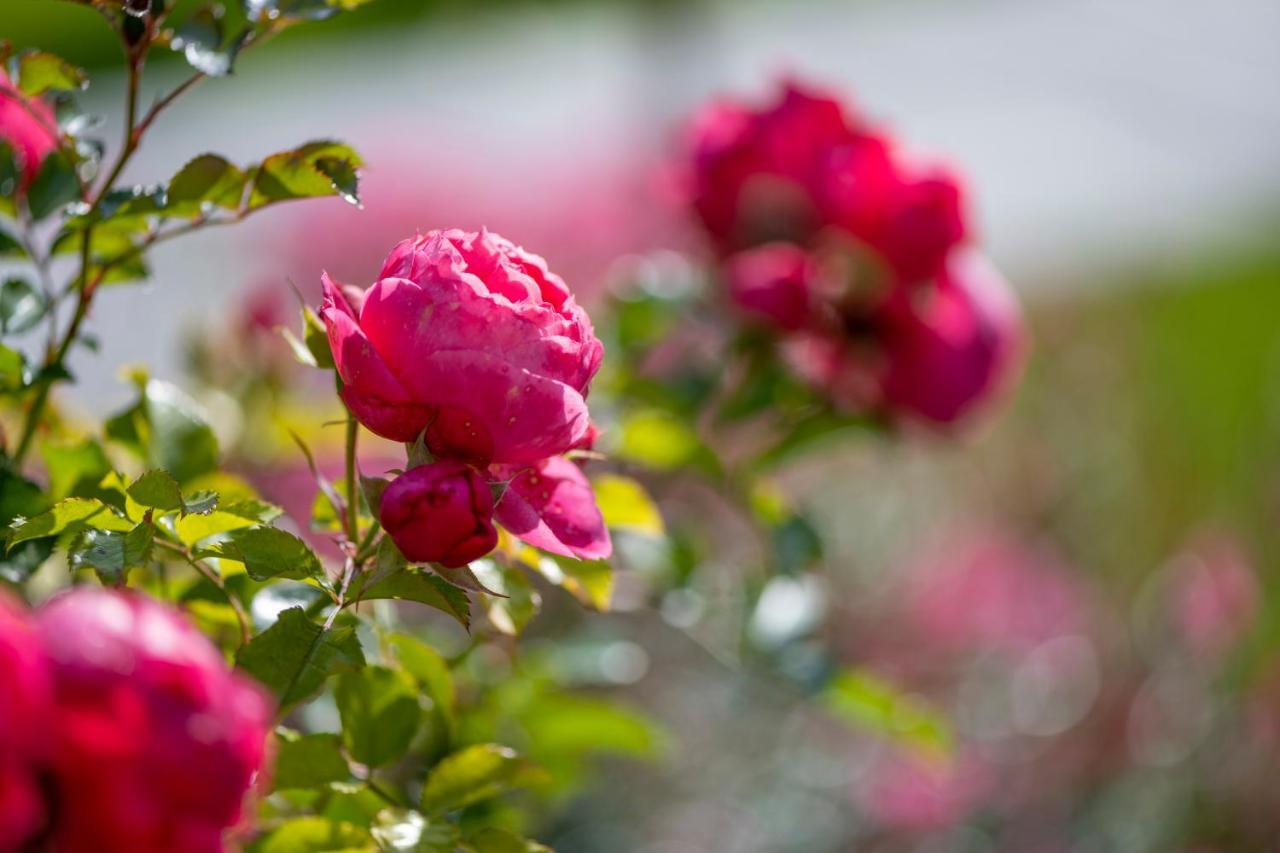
(29, 126)
(24, 697)
(774, 283)
(157, 742)
(440, 513)
(1215, 594)
(551, 506)
(471, 338)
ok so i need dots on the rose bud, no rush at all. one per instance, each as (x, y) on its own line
(440, 513)
(24, 726)
(470, 338)
(157, 742)
(29, 127)
(775, 284)
(950, 349)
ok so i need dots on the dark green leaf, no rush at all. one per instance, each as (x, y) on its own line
(157, 490)
(316, 339)
(380, 713)
(474, 774)
(316, 169)
(10, 175)
(13, 370)
(309, 761)
(21, 497)
(208, 44)
(268, 552)
(39, 72)
(9, 245)
(372, 488)
(206, 181)
(54, 187)
(294, 656)
(111, 553)
(424, 588)
(21, 306)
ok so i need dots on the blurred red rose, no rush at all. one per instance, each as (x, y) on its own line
(24, 708)
(775, 284)
(156, 742)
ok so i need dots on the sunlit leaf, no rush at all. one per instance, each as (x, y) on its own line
(316, 169)
(40, 72)
(517, 602)
(56, 519)
(157, 490)
(206, 181)
(626, 505)
(424, 588)
(315, 835)
(590, 581)
(267, 552)
(397, 830)
(870, 702)
(476, 773)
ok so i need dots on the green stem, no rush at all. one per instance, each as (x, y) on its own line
(353, 477)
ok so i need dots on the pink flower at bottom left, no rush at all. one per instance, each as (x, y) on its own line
(134, 734)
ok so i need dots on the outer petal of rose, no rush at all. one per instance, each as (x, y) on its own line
(490, 411)
(409, 321)
(551, 506)
(370, 390)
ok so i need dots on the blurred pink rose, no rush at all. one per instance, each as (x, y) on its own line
(24, 709)
(916, 792)
(551, 506)
(29, 126)
(774, 283)
(469, 335)
(992, 591)
(441, 512)
(1215, 594)
(156, 741)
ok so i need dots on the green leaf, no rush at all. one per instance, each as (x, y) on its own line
(167, 429)
(298, 10)
(870, 702)
(200, 502)
(315, 835)
(206, 44)
(111, 553)
(491, 839)
(267, 552)
(21, 306)
(205, 182)
(40, 72)
(157, 490)
(10, 176)
(372, 489)
(658, 440)
(309, 761)
(427, 666)
(380, 713)
(21, 497)
(9, 245)
(294, 656)
(233, 516)
(316, 338)
(589, 581)
(316, 169)
(626, 505)
(519, 601)
(75, 469)
(13, 370)
(476, 773)
(54, 187)
(425, 588)
(56, 519)
(405, 831)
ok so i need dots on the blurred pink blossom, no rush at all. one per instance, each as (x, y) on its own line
(918, 792)
(1215, 593)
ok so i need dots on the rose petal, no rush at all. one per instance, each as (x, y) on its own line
(551, 506)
